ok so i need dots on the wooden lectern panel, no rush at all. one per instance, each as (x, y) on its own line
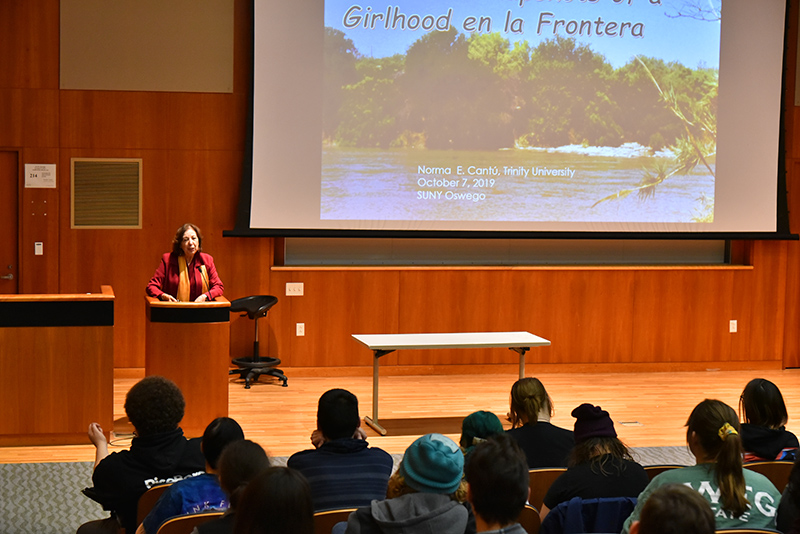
(190, 344)
(56, 367)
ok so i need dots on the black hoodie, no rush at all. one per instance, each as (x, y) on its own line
(122, 477)
(766, 443)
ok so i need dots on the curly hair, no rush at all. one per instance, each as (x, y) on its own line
(178, 239)
(154, 404)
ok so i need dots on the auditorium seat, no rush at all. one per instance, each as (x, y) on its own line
(251, 367)
(540, 480)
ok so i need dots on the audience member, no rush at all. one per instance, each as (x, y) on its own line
(476, 428)
(278, 501)
(424, 495)
(239, 463)
(739, 498)
(545, 445)
(764, 434)
(600, 464)
(675, 509)
(201, 492)
(497, 478)
(159, 453)
(343, 471)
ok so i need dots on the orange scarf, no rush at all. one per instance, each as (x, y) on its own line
(184, 284)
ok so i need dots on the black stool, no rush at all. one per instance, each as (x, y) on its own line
(252, 367)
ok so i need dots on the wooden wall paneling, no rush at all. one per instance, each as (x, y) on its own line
(39, 212)
(791, 323)
(242, 53)
(759, 304)
(29, 33)
(586, 314)
(336, 304)
(681, 315)
(244, 268)
(128, 120)
(29, 117)
(459, 300)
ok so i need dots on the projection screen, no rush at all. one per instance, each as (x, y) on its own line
(522, 116)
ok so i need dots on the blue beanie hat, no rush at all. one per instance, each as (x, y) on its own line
(433, 464)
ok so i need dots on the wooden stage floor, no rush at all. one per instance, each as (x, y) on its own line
(649, 409)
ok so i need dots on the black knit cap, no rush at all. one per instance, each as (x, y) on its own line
(592, 422)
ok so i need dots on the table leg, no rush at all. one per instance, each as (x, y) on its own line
(521, 351)
(373, 421)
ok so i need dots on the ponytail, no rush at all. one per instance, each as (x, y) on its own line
(717, 427)
(729, 472)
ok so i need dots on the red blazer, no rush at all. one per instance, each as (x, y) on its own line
(165, 279)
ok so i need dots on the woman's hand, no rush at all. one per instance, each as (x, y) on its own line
(201, 298)
(166, 297)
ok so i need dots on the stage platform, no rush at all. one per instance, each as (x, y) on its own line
(649, 409)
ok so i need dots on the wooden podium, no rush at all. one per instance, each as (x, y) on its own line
(189, 343)
(56, 367)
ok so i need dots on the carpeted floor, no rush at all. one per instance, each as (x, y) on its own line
(46, 498)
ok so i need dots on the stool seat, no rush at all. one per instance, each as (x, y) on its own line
(254, 306)
(251, 367)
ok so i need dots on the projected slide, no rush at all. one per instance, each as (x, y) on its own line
(571, 111)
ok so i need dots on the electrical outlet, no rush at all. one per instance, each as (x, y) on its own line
(294, 289)
(300, 329)
(734, 326)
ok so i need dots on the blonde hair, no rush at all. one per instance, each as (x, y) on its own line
(398, 487)
(528, 399)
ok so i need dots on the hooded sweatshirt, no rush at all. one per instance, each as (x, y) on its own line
(760, 442)
(122, 477)
(415, 513)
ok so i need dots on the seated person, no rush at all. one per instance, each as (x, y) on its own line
(277, 501)
(343, 470)
(476, 428)
(497, 484)
(764, 434)
(159, 453)
(739, 498)
(600, 464)
(675, 509)
(426, 494)
(239, 463)
(545, 445)
(199, 493)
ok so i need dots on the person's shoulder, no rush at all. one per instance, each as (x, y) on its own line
(207, 258)
(300, 457)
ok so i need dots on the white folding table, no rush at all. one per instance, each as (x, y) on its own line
(383, 344)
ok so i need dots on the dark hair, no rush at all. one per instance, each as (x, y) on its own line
(153, 405)
(497, 473)
(337, 414)
(717, 427)
(596, 452)
(278, 501)
(219, 433)
(239, 463)
(528, 398)
(676, 509)
(178, 239)
(762, 404)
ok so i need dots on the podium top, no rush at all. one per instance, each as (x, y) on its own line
(220, 302)
(106, 293)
